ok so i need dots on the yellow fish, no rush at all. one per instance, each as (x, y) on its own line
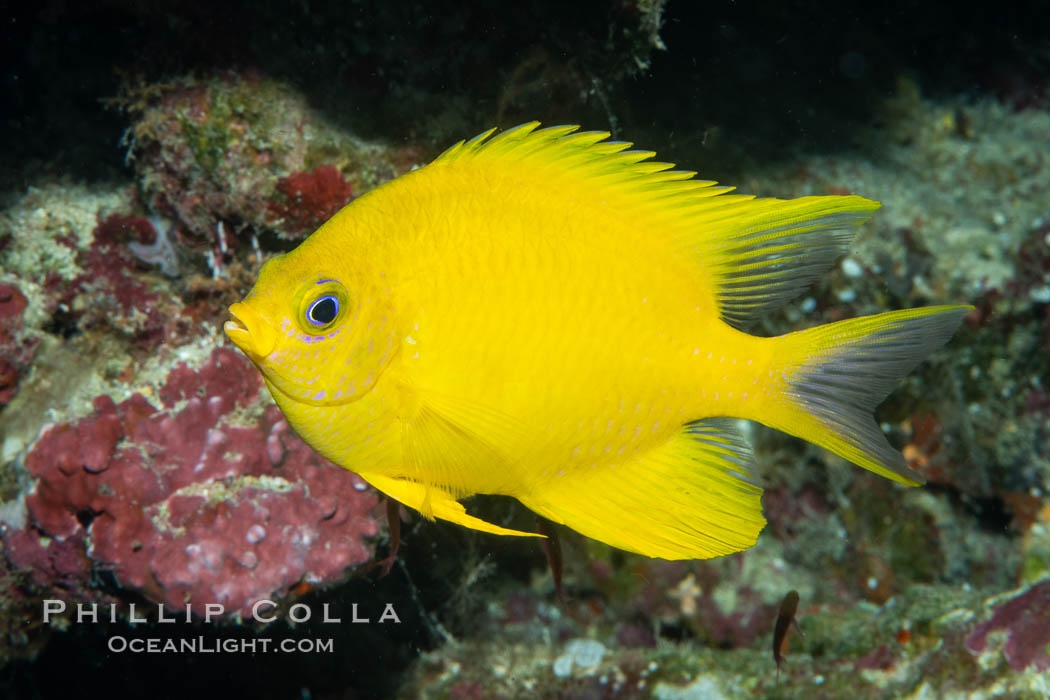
(547, 315)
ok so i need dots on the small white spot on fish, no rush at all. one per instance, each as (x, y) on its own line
(319, 395)
(410, 340)
(255, 534)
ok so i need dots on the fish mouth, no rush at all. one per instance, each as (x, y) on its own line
(249, 331)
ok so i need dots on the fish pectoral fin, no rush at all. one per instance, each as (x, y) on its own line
(458, 445)
(689, 498)
(439, 503)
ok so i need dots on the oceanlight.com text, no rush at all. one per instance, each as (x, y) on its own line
(203, 645)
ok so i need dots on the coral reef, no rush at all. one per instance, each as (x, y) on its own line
(183, 499)
(144, 463)
(924, 641)
(310, 198)
(246, 151)
(208, 498)
(15, 355)
(1024, 618)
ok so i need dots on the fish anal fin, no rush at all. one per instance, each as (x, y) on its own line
(440, 503)
(689, 498)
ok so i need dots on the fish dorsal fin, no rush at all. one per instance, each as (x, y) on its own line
(689, 498)
(762, 253)
(753, 254)
(563, 152)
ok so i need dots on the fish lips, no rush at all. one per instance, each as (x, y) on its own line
(250, 332)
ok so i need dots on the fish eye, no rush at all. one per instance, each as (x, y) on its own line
(323, 310)
(321, 305)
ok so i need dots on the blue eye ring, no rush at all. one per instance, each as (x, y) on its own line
(323, 311)
(322, 305)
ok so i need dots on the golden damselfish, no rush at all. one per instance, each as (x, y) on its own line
(548, 315)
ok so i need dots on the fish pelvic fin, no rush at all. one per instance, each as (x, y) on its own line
(691, 497)
(836, 374)
(433, 502)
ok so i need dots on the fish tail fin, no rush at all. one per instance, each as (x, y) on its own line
(836, 374)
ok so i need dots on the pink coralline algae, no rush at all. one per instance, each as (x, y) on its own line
(242, 149)
(310, 198)
(112, 292)
(200, 501)
(15, 355)
(1026, 621)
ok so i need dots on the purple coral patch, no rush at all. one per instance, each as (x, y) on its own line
(184, 503)
(306, 200)
(1026, 621)
(16, 351)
